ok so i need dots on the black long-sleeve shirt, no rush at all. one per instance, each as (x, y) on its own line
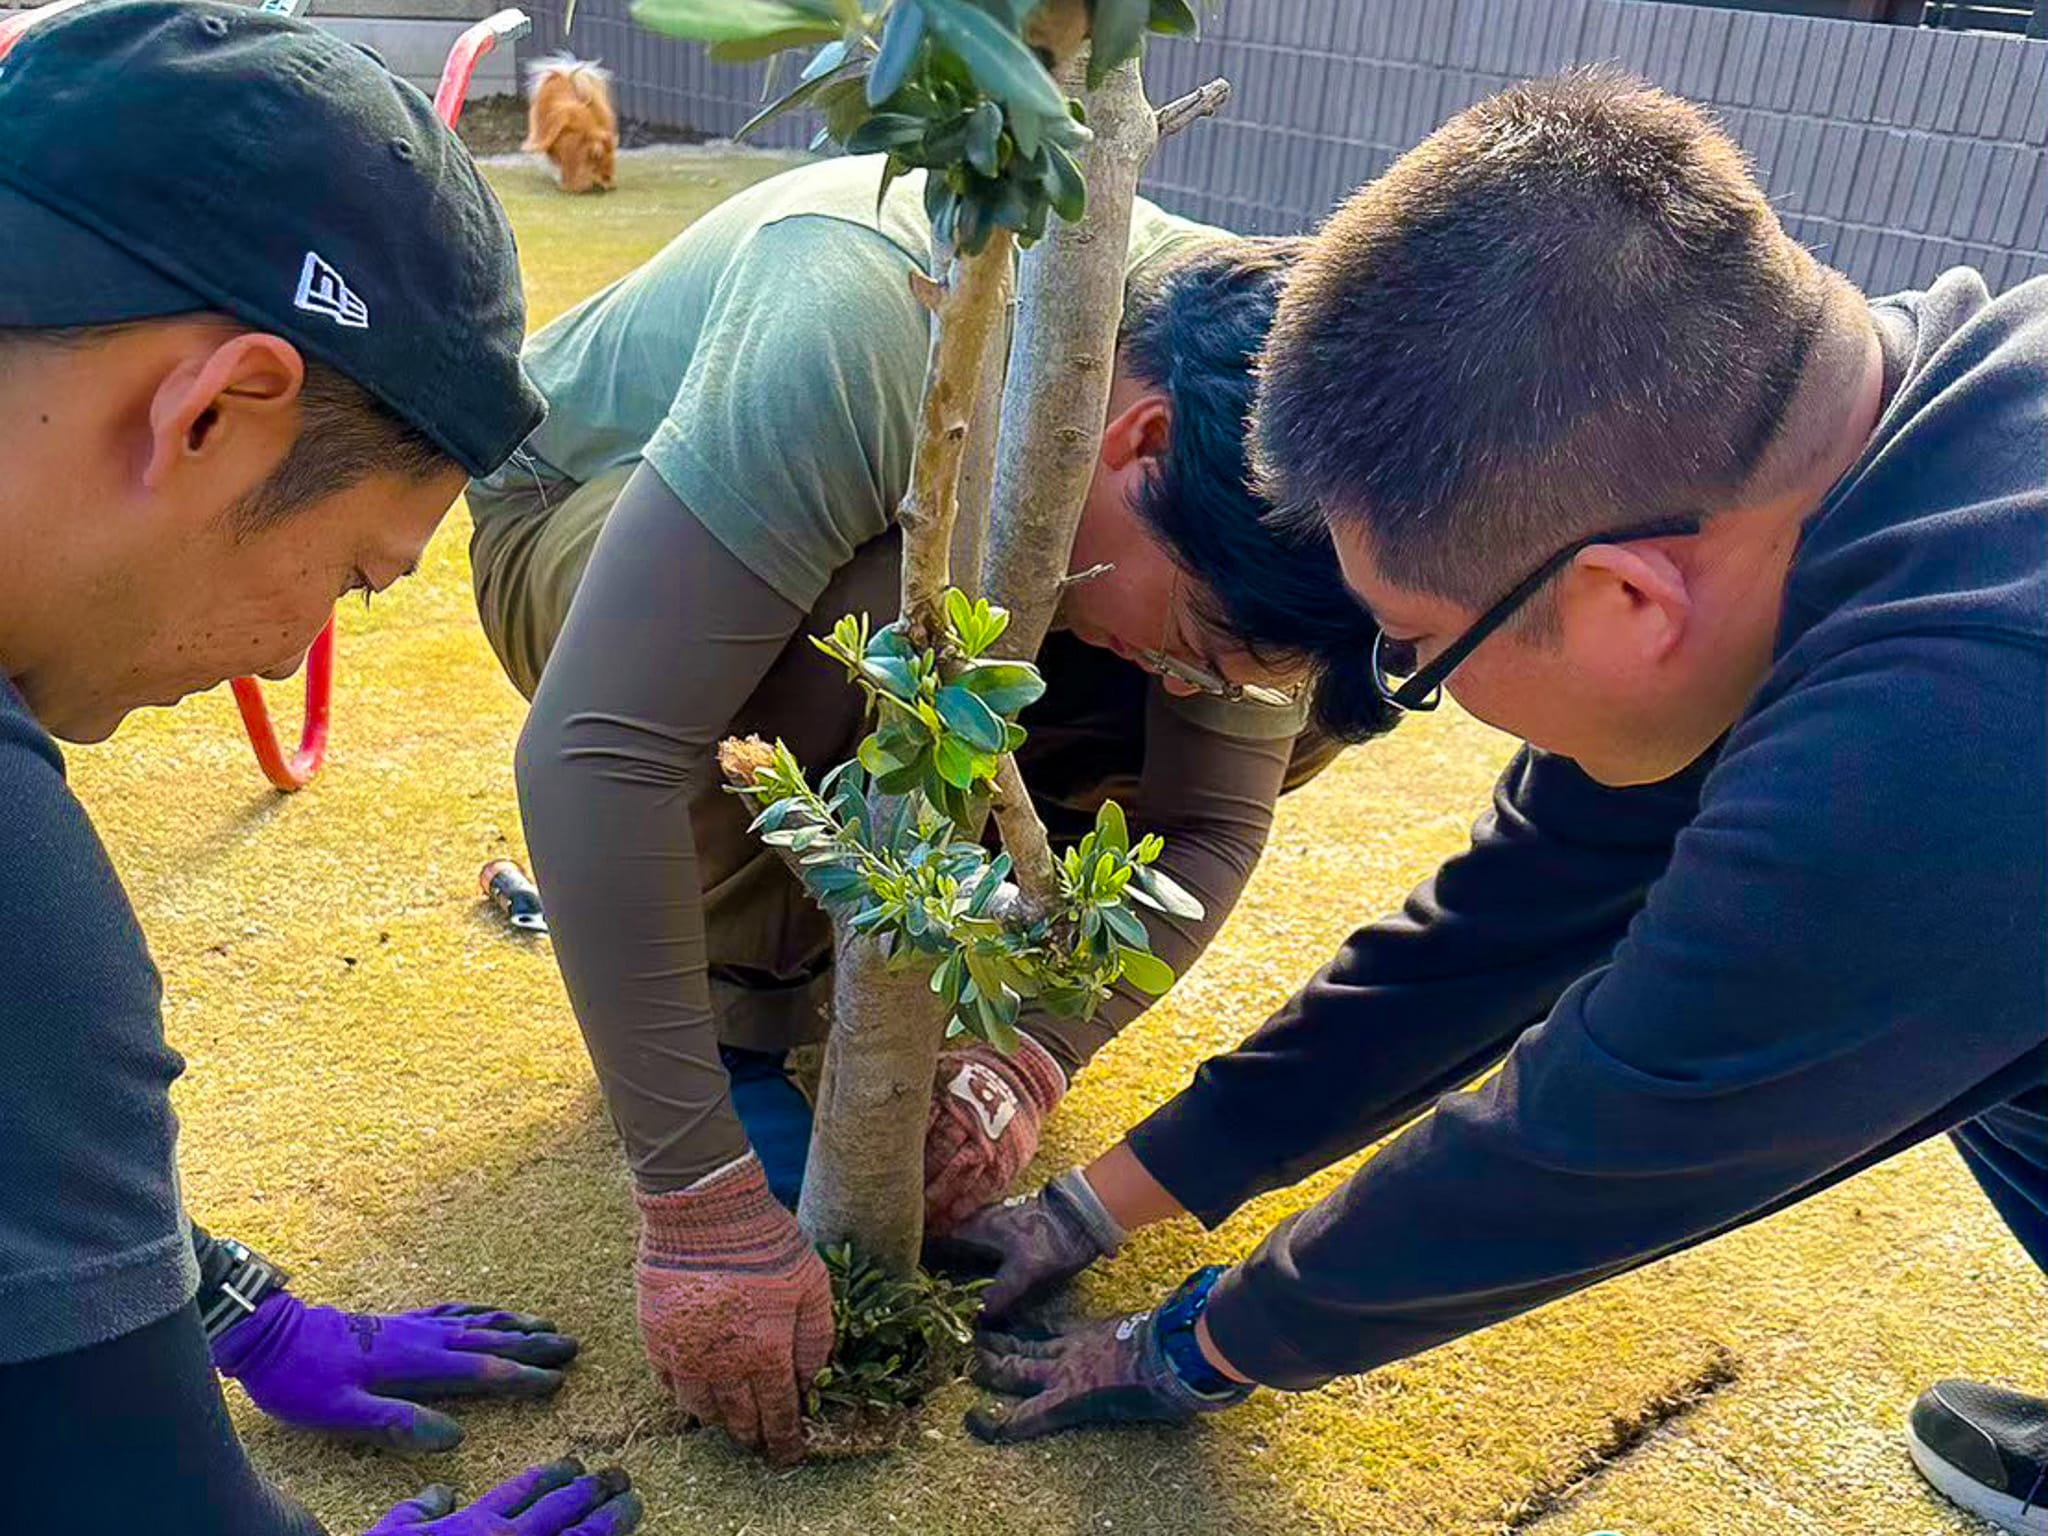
(1717, 995)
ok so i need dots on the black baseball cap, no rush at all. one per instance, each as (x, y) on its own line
(160, 157)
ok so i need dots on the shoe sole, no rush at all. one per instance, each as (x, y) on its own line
(1959, 1488)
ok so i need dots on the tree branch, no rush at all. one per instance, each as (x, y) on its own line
(1202, 101)
(970, 305)
(1026, 841)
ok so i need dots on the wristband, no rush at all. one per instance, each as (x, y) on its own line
(233, 1279)
(1174, 1327)
(1073, 1190)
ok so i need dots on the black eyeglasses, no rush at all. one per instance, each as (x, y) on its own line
(1405, 686)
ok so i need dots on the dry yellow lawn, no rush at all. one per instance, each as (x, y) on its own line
(387, 1092)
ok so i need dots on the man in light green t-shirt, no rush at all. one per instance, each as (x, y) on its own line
(729, 434)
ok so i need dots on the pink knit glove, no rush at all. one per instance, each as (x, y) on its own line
(735, 1308)
(987, 1112)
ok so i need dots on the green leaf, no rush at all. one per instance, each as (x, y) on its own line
(955, 763)
(984, 138)
(1014, 736)
(901, 781)
(875, 757)
(1111, 830)
(970, 719)
(960, 614)
(827, 60)
(807, 93)
(891, 641)
(995, 56)
(843, 104)
(991, 881)
(1145, 971)
(1004, 686)
(1165, 893)
(1066, 187)
(1176, 18)
(1125, 925)
(748, 50)
(885, 131)
(891, 674)
(1116, 32)
(734, 21)
(902, 36)
(833, 882)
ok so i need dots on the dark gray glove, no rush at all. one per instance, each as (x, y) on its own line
(1031, 1244)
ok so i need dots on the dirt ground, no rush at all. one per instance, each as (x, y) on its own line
(387, 1092)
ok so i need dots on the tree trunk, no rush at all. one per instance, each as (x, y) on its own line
(864, 1181)
(1070, 301)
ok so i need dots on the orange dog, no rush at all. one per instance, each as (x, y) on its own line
(570, 120)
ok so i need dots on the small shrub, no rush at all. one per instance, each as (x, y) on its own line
(896, 1341)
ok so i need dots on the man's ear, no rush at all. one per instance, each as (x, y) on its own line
(1632, 588)
(243, 395)
(1139, 431)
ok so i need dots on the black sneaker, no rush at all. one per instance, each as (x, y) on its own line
(1985, 1448)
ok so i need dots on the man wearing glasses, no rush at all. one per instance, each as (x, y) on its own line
(728, 437)
(1759, 569)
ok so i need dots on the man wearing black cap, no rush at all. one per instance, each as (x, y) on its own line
(259, 318)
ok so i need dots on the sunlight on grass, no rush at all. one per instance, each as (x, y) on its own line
(388, 1093)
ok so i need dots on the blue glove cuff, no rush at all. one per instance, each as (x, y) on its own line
(1172, 1335)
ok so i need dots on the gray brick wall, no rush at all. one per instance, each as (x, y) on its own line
(1893, 151)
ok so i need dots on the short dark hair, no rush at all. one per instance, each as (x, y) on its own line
(1568, 309)
(345, 432)
(1191, 330)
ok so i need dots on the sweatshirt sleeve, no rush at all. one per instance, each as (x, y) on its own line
(668, 636)
(1844, 958)
(1421, 1003)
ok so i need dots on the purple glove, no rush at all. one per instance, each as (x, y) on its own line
(360, 1375)
(554, 1500)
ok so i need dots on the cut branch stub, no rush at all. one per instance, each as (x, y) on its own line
(1202, 101)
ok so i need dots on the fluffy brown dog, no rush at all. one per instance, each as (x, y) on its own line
(569, 119)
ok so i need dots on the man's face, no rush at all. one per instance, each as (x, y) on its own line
(1629, 681)
(130, 462)
(1141, 604)
(226, 604)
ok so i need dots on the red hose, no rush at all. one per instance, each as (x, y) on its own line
(294, 772)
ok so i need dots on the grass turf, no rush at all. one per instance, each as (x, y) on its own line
(387, 1092)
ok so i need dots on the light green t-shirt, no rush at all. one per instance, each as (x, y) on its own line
(768, 365)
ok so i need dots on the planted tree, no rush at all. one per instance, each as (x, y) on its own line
(1031, 125)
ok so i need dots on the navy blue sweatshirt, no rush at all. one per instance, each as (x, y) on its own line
(1717, 995)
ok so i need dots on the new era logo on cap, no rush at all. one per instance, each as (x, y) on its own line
(323, 291)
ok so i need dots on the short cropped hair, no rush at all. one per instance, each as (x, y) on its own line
(1192, 331)
(345, 433)
(1567, 310)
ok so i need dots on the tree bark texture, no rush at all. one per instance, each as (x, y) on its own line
(1070, 297)
(971, 304)
(864, 1181)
